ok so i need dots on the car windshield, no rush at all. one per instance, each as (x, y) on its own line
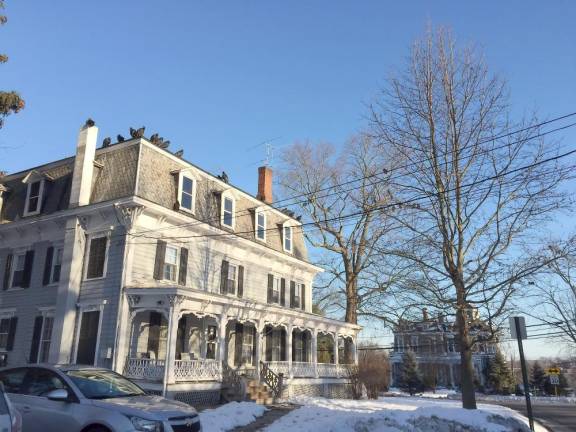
(103, 384)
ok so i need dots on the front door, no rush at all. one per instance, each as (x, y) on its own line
(88, 338)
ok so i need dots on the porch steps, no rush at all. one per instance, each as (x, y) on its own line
(259, 393)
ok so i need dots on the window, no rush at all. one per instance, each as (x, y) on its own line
(260, 225)
(34, 197)
(18, 272)
(56, 266)
(248, 345)
(232, 279)
(228, 205)
(45, 339)
(287, 238)
(171, 263)
(187, 200)
(276, 289)
(297, 295)
(4, 332)
(211, 342)
(97, 252)
(87, 339)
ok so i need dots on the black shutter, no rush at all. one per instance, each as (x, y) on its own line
(154, 332)
(303, 297)
(48, 265)
(183, 266)
(238, 344)
(7, 271)
(283, 292)
(159, 263)
(268, 331)
(292, 294)
(240, 281)
(28, 264)
(283, 344)
(254, 343)
(224, 277)
(11, 333)
(36, 339)
(270, 288)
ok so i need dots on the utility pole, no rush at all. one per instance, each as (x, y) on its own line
(518, 331)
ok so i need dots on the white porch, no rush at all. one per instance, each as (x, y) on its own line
(175, 338)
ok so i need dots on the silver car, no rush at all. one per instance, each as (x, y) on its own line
(88, 399)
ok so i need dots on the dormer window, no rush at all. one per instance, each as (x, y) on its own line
(34, 192)
(260, 222)
(287, 238)
(186, 192)
(228, 207)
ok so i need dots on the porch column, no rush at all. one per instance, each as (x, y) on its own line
(222, 337)
(336, 340)
(173, 316)
(289, 350)
(259, 330)
(355, 352)
(315, 351)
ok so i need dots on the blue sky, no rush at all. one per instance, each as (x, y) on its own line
(219, 78)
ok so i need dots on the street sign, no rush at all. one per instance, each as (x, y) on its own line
(553, 371)
(555, 379)
(519, 322)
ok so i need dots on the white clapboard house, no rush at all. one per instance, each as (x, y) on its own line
(128, 257)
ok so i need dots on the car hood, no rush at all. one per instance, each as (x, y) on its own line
(150, 407)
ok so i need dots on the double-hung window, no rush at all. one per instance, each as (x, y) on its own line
(97, 256)
(33, 199)
(187, 200)
(287, 238)
(232, 279)
(248, 346)
(18, 272)
(4, 332)
(276, 289)
(260, 225)
(56, 266)
(227, 211)
(297, 295)
(171, 263)
(45, 339)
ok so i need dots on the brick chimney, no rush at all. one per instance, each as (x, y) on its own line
(425, 314)
(265, 184)
(84, 165)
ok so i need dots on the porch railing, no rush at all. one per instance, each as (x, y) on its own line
(145, 369)
(303, 369)
(197, 370)
(279, 367)
(328, 370)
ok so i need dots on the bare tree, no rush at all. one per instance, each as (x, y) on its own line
(556, 291)
(468, 200)
(335, 186)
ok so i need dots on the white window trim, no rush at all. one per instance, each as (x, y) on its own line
(55, 254)
(15, 254)
(257, 212)
(40, 196)
(80, 311)
(279, 278)
(181, 176)
(285, 225)
(46, 312)
(228, 194)
(177, 271)
(89, 239)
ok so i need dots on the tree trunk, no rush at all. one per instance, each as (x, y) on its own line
(466, 365)
(351, 302)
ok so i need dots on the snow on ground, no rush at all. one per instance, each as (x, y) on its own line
(230, 415)
(539, 399)
(439, 394)
(397, 415)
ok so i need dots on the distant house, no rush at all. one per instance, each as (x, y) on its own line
(434, 342)
(131, 258)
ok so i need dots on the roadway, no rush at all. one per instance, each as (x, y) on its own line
(557, 417)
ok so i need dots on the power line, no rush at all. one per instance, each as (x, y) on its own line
(242, 212)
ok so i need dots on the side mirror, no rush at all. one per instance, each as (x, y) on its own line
(58, 395)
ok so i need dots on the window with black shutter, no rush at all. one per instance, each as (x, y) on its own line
(97, 257)
(88, 337)
(4, 332)
(283, 292)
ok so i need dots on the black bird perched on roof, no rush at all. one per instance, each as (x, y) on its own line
(120, 138)
(179, 153)
(223, 177)
(154, 138)
(137, 133)
(106, 142)
(89, 123)
(163, 144)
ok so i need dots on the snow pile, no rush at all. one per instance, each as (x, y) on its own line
(230, 415)
(439, 394)
(397, 415)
